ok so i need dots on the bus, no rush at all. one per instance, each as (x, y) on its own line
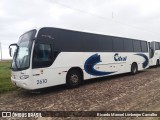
(154, 53)
(53, 56)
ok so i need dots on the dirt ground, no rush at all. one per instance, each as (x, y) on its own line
(124, 92)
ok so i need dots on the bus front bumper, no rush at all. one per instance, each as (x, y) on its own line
(21, 83)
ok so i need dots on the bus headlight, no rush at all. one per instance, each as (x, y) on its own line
(24, 76)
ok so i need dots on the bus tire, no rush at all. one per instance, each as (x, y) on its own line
(74, 78)
(134, 68)
(157, 63)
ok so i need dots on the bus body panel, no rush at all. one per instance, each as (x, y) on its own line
(154, 53)
(56, 73)
(156, 57)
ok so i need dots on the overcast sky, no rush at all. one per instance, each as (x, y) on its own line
(139, 19)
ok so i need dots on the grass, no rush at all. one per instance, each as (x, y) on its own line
(5, 73)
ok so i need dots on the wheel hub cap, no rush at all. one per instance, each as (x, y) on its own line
(74, 78)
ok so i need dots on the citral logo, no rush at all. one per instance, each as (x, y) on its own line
(119, 58)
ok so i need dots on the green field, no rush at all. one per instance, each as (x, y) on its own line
(5, 82)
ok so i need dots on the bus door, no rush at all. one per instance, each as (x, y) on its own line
(43, 58)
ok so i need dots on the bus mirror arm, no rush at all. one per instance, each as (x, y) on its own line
(13, 45)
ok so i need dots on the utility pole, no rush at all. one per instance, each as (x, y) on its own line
(1, 51)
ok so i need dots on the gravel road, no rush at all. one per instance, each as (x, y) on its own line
(124, 92)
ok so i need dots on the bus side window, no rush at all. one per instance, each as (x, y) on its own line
(144, 46)
(137, 46)
(42, 56)
(156, 46)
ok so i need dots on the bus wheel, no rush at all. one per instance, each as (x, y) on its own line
(134, 68)
(157, 63)
(74, 79)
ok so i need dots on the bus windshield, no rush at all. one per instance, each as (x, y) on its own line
(21, 59)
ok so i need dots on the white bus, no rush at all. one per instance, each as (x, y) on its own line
(154, 53)
(53, 56)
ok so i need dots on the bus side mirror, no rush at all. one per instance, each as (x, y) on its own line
(10, 49)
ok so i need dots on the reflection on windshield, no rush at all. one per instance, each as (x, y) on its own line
(22, 58)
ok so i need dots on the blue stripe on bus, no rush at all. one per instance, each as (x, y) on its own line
(146, 62)
(91, 62)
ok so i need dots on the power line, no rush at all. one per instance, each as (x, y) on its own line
(105, 18)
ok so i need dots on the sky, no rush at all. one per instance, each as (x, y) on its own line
(138, 19)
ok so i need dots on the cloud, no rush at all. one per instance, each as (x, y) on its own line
(137, 19)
